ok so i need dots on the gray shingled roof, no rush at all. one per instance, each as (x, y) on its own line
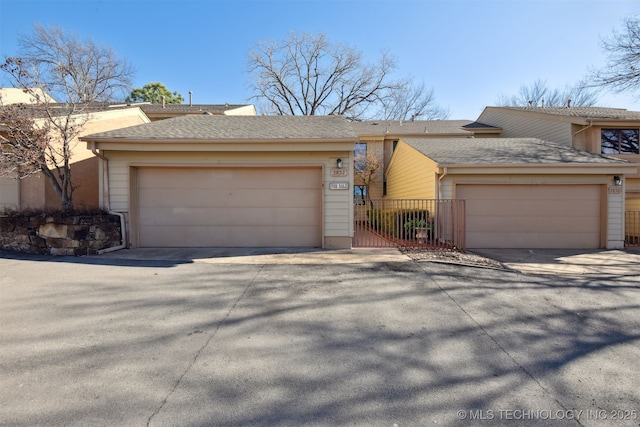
(503, 151)
(593, 113)
(186, 108)
(220, 127)
(416, 127)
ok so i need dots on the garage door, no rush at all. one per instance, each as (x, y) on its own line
(532, 216)
(229, 207)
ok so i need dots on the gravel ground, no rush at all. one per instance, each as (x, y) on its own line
(452, 257)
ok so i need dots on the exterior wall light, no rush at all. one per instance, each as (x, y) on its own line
(617, 181)
(339, 163)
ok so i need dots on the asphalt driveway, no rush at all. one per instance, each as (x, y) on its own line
(377, 341)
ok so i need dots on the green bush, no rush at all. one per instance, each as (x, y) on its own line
(398, 223)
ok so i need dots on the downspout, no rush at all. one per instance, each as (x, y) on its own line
(584, 128)
(440, 178)
(105, 183)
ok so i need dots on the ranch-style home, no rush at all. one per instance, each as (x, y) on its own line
(231, 181)
(204, 180)
(518, 192)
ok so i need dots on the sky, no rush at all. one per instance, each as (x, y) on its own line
(470, 52)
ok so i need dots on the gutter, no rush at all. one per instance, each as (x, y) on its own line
(440, 178)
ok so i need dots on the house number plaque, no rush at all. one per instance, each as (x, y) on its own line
(339, 172)
(338, 186)
(614, 190)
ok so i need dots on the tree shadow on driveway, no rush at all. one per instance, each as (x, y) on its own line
(348, 344)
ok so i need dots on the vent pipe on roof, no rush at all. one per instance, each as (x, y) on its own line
(569, 103)
(164, 101)
(190, 98)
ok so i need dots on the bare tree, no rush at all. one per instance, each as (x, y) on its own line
(539, 94)
(35, 141)
(72, 70)
(41, 137)
(622, 71)
(306, 74)
(366, 167)
(410, 102)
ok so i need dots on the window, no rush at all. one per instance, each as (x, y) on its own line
(359, 194)
(619, 141)
(360, 156)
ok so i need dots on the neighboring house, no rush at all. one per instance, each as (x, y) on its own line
(167, 111)
(36, 192)
(12, 95)
(215, 180)
(519, 192)
(614, 132)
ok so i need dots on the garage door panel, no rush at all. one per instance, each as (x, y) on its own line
(532, 216)
(202, 236)
(489, 207)
(559, 224)
(233, 207)
(167, 216)
(203, 178)
(533, 192)
(244, 198)
(533, 240)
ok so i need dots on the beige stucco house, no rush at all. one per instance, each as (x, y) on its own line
(36, 192)
(519, 192)
(231, 181)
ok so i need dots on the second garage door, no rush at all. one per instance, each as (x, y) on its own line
(229, 207)
(532, 216)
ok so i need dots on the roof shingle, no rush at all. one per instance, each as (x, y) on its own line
(594, 113)
(503, 151)
(218, 127)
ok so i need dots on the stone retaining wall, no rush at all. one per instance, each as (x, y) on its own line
(59, 234)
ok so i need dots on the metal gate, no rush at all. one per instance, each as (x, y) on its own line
(412, 223)
(632, 228)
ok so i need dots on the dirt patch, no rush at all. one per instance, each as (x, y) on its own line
(452, 257)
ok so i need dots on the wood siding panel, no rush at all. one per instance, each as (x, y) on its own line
(517, 125)
(411, 175)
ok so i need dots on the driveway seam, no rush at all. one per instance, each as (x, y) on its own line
(197, 355)
(522, 368)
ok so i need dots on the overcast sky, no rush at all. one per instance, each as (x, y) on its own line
(469, 51)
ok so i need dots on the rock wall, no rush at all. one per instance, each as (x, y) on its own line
(59, 234)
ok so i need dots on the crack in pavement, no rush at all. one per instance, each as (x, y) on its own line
(495, 341)
(205, 345)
